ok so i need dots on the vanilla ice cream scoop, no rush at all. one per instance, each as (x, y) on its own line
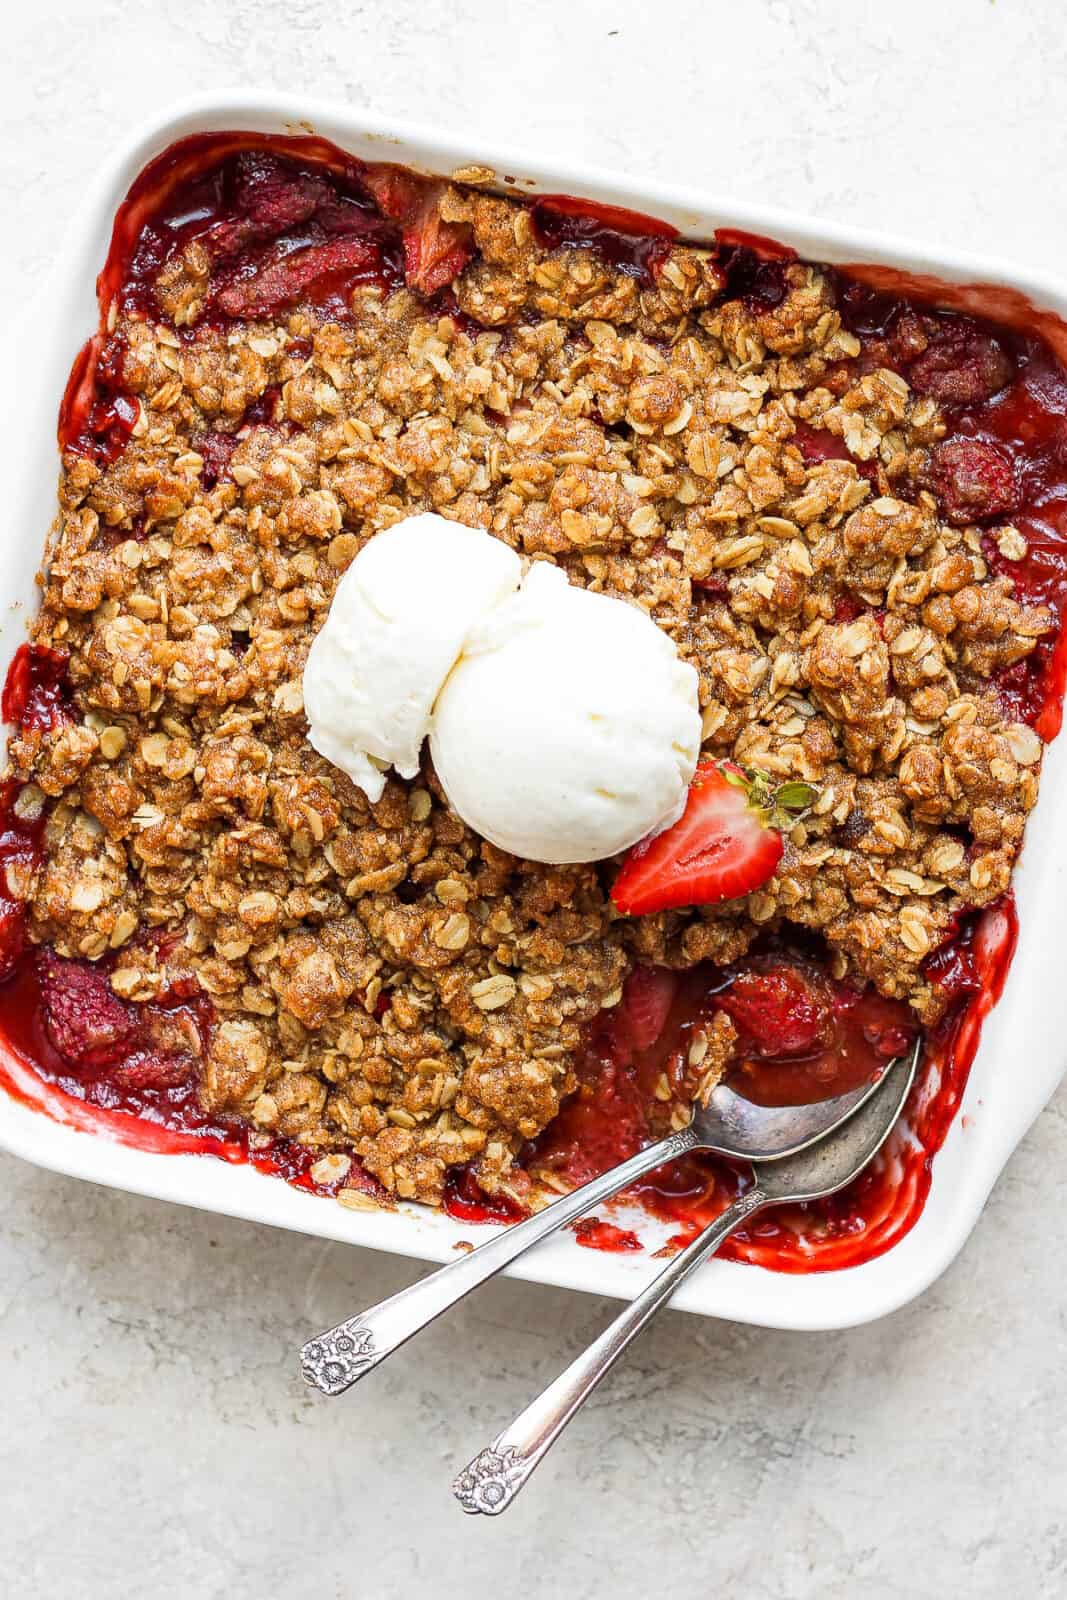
(569, 728)
(562, 723)
(397, 623)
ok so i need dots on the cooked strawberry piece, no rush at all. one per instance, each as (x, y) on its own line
(155, 1070)
(137, 1046)
(803, 1036)
(435, 251)
(397, 192)
(274, 193)
(780, 1010)
(972, 479)
(645, 1007)
(86, 1021)
(270, 196)
(282, 281)
(725, 844)
(961, 365)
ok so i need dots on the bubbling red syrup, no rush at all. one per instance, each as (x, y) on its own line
(35, 693)
(635, 244)
(286, 221)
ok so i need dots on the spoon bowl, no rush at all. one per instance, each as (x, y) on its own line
(730, 1125)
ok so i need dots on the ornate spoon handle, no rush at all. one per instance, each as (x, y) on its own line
(495, 1476)
(337, 1358)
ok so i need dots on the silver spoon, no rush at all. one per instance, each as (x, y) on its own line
(492, 1480)
(729, 1126)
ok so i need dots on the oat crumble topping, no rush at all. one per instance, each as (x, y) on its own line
(386, 985)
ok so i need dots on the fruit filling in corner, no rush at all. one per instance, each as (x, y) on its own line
(724, 593)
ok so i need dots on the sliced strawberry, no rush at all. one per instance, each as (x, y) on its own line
(435, 251)
(398, 193)
(780, 1010)
(138, 1046)
(281, 282)
(270, 196)
(725, 844)
(646, 1004)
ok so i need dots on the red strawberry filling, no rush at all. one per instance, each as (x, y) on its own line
(269, 197)
(646, 1005)
(35, 695)
(761, 283)
(801, 1036)
(87, 1023)
(636, 244)
(435, 251)
(215, 450)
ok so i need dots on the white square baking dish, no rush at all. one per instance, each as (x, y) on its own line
(1024, 1044)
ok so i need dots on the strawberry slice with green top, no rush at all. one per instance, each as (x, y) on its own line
(727, 842)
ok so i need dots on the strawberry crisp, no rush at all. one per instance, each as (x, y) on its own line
(841, 506)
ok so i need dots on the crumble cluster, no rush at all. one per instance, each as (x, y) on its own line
(386, 984)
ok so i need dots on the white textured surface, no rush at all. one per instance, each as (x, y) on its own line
(157, 1440)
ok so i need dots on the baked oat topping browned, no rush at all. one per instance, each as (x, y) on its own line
(763, 484)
